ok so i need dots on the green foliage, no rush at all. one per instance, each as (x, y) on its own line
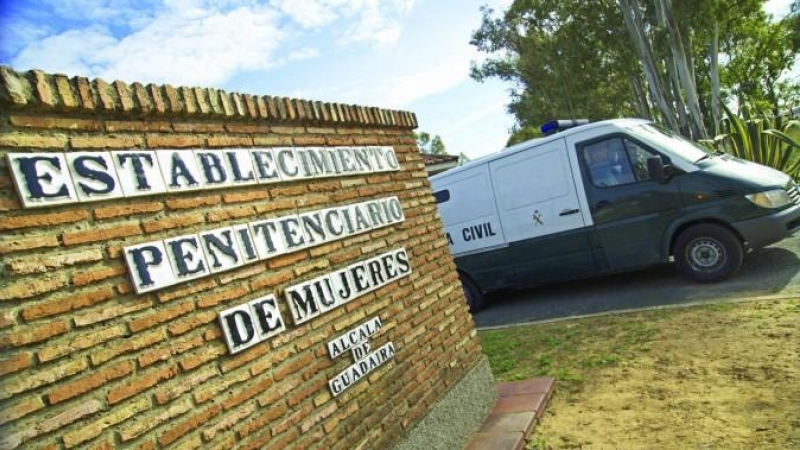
(431, 146)
(573, 58)
(523, 133)
(564, 58)
(763, 139)
(761, 53)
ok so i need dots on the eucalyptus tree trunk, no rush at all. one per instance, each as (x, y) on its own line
(640, 97)
(680, 105)
(716, 114)
(685, 74)
(631, 12)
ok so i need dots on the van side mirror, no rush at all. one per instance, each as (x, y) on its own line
(655, 168)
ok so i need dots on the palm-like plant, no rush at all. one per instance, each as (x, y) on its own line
(762, 139)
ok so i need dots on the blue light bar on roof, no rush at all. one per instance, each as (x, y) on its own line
(554, 126)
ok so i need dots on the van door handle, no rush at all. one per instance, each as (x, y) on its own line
(569, 212)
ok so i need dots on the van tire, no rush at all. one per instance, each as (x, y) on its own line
(474, 296)
(708, 253)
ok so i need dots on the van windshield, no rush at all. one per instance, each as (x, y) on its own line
(672, 142)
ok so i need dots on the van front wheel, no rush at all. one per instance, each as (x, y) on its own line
(473, 295)
(708, 253)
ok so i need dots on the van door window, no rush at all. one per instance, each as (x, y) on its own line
(638, 156)
(608, 163)
(616, 161)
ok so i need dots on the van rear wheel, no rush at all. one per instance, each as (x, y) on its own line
(473, 295)
(708, 253)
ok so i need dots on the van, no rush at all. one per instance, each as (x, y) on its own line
(607, 197)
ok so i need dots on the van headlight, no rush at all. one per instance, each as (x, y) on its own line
(775, 198)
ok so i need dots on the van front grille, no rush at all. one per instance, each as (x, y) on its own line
(794, 192)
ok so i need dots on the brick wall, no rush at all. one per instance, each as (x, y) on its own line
(86, 362)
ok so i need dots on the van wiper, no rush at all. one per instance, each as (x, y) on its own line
(709, 155)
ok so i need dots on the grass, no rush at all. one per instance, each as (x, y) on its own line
(567, 351)
(720, 375)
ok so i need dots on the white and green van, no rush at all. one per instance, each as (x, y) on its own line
(607, 197)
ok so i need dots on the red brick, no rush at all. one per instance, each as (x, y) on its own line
(247, 128)
(262, 421)
(161, 316)
(75, 342)
(7, 319)
(175, 347)
(20, 243)
(215, 298)
(26, 288)
(172, 221)
(158, 99)
(84, 93)
(192, 322)
(9, 204)
(309, 140)
(90, 276)
(175, 141)
(288, 191)
(35, 333)
(12, 222)
(276, 204)
(244, 196)
(106, 212)
(68, 302)
(229, 141)
(292, 366)
(199, 127)
(287, 260)
(124, 92)
(231, 213)
(182, 428)
(49, 262)
(272, 140)
(82, 385)
(105, 444)
(42, 89)
(141, 98)
(242, 273)
(20, 409)
(138, 342)
(195, 201)
(199, 358)
(183, 291)
(55, 122)
(98, 142)
(14, 363)
(97, 233)
(124, 307)
(139, 384)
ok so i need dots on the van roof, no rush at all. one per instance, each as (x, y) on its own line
(615, 123)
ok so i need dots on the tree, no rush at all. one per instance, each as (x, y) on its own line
(652, 58)
(431, 146)
(564, 58)
(759, 62)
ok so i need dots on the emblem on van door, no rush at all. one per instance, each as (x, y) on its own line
(537, 218)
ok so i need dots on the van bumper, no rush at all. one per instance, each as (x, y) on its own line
(765, 230)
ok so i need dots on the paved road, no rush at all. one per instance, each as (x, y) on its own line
(771, 271)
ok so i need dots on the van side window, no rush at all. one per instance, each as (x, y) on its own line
(608, 163)
(442, 196)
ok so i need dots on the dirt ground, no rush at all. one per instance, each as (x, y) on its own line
(719, 377)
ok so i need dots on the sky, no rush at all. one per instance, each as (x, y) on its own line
(411, 55)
